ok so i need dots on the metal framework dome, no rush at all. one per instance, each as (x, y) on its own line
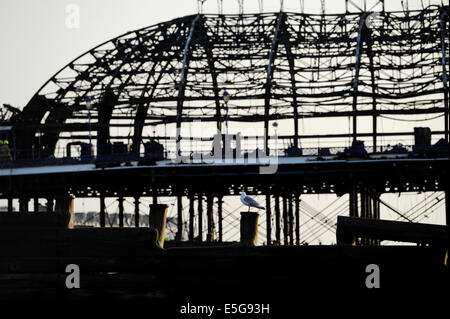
(274, 65)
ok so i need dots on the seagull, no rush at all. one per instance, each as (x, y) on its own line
(250, 202)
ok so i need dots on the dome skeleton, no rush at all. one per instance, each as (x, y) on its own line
(270, 58)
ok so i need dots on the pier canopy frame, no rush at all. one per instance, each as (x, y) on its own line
(276, 66)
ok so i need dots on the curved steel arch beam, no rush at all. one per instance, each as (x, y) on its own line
(270, 69)
(182, 85)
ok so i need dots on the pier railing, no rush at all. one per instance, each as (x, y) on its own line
(59, 156)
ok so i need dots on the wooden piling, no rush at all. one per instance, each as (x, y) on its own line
(249, 228)
(64, 208)
(157, 222)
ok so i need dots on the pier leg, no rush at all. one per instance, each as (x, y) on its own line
(102, 211)
(285, 221)
(136, 211)
(376, 212)
(23, 205)
(120, 199)
(291, 220)
(268, 220)
(179, 218)
(220, 217)
(200, 217)
(447, 207)
(277, 220)
(353, 198)
(210, 216)
(36, 205)
(191, 217)
(155, 195)
(10, 204)
(297, 219)
(363, 204)
(49, 204)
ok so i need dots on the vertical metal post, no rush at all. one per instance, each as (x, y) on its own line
(291, 220)
(36, 205)
(444, 71)
(120, 199)
(210, 217)
(363, 203)
(353, 200)
(285, 221)
(23, 204)
(10, 204)
(136, 211)
(268, 219)
(447, 207)
(179, 217)
(155, 195)
(200, 216)
(277, 220)
(49, 204)
(191, 217)
(297, 219)
(102, 211)
(358, 54)
(220, 217)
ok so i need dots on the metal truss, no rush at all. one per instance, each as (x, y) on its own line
(275, 66)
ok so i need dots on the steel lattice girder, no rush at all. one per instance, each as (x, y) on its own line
(275, 65)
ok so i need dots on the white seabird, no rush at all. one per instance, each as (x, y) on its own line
(250, 202)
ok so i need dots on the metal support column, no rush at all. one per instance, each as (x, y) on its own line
(36, 205)
(291, 220)
(210, 217)
(277, 220)
(220, 217)
(136, 211)
(120, 200)
(49, 204)
(102, 211)
(200, 216)
(179, 217)
(10, 204)
(191, 217)
(268, 219)
(297, 219)
(285, 221)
